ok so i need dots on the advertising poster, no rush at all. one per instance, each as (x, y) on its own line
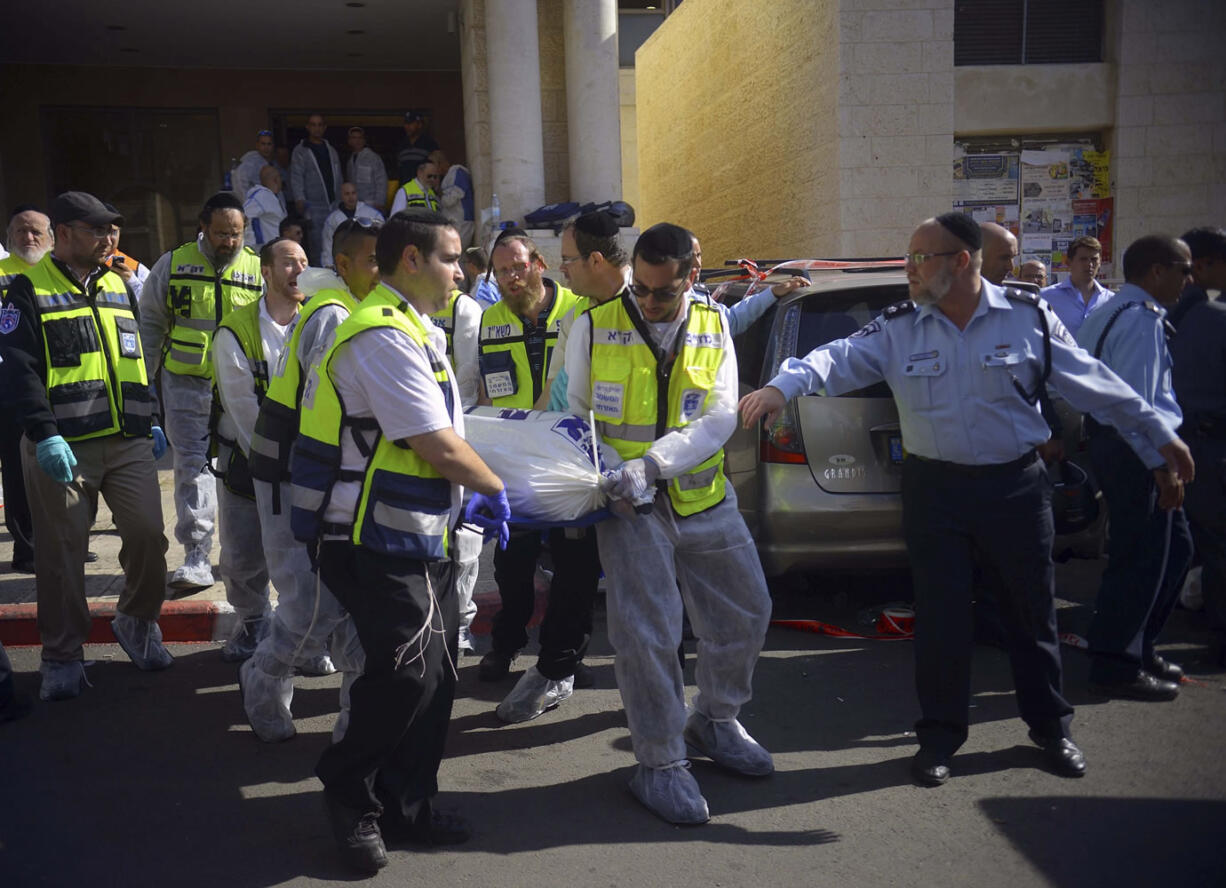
(986, 179)
(1047, 216)
(1094, 217)
(1089, 174)
(1045, 175)
(1005, 215)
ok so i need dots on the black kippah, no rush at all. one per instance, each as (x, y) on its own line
(224, 200)
(666, 239)
(597, 224)
(964, 228)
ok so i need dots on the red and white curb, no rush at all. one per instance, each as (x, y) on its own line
(192, 621)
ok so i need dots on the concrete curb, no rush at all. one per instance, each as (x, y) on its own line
(180, 621)
(185, 621)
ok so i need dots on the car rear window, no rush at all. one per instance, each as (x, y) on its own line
(836, 314)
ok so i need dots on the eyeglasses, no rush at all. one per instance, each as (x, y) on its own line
(1185, 267)
(100, 232)
(567, 260)
(918, 258)
(518, 270)
(663, 296)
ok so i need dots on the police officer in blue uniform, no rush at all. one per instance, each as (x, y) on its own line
(965, 360)
(1150, 546)
(1198, 350)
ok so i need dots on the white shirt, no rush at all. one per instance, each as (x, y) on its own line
(677, 452)
(264, 214)
(464, 348)
(235, 382)
(389, 378)
(333, 222)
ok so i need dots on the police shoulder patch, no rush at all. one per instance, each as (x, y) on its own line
(873, 326)
(898, 309)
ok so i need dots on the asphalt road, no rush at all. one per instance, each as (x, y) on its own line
(156, 780)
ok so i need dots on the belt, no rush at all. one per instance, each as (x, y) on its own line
(991, 470)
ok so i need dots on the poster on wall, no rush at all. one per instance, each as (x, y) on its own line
(986, 179)
(1089, 174)
(1047, 216)
(1094, 218)
(1005, 215)
(1045, 175)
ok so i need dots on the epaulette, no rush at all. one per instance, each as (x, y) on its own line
(1155, 309)
(1022, 296)
(898, 309)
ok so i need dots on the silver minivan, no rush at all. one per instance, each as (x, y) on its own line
(820, 488)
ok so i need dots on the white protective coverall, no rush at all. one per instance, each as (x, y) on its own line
(307, 613)
(710, 555)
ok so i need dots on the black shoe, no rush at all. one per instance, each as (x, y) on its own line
(1164, 669)
(23, 565)
(91, 557)
(1143, 687)
(443, 829)
(357, 835)
(584, 676)
(15, 707)
(930, 768)
(1062, 755)
(494, 666)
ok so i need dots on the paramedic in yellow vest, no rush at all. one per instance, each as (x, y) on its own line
(517, 339)
(460, 321)
(250, 340)
(188, 292)
(420, 191)
(307, 612)
(687, 530)
(381, 519)
(28, 238)
(74, 376)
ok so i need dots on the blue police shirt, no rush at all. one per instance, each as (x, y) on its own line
(1065, 300)
(744, 314)
(954, 388)
(1135, 348)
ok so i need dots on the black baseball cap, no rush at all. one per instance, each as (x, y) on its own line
(72, 206)
(411, 117)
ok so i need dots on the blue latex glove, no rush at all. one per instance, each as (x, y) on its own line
(159, 442)
(55, 458)
(490, 513)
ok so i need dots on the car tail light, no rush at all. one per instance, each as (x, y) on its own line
(781, 441)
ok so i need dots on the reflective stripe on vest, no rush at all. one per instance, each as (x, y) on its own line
(627, 383)
(505, 371)
(405, 505)
(416, 196)
(96, 382)
(198, 298)
(276, 427)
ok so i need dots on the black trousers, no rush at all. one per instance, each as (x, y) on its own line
(1148, 557)
(16, 505)
(1205, 505)
(567, 626)
(1004, 516)
(400, 706)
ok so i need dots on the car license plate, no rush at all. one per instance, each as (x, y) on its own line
(896, 449)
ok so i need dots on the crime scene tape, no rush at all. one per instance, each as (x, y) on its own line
(893, 624)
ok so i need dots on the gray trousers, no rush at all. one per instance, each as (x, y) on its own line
(712, 557)
(123, 471)
(186, 401)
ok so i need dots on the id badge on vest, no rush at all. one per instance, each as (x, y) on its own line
(498, 374)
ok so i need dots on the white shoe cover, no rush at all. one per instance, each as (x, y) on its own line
(195, 573)
(245, 639)
(532, 695)
(141, 640)
(670, 792)
(61, 679)
(727, 744)
(320, 664)
(266, 700)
